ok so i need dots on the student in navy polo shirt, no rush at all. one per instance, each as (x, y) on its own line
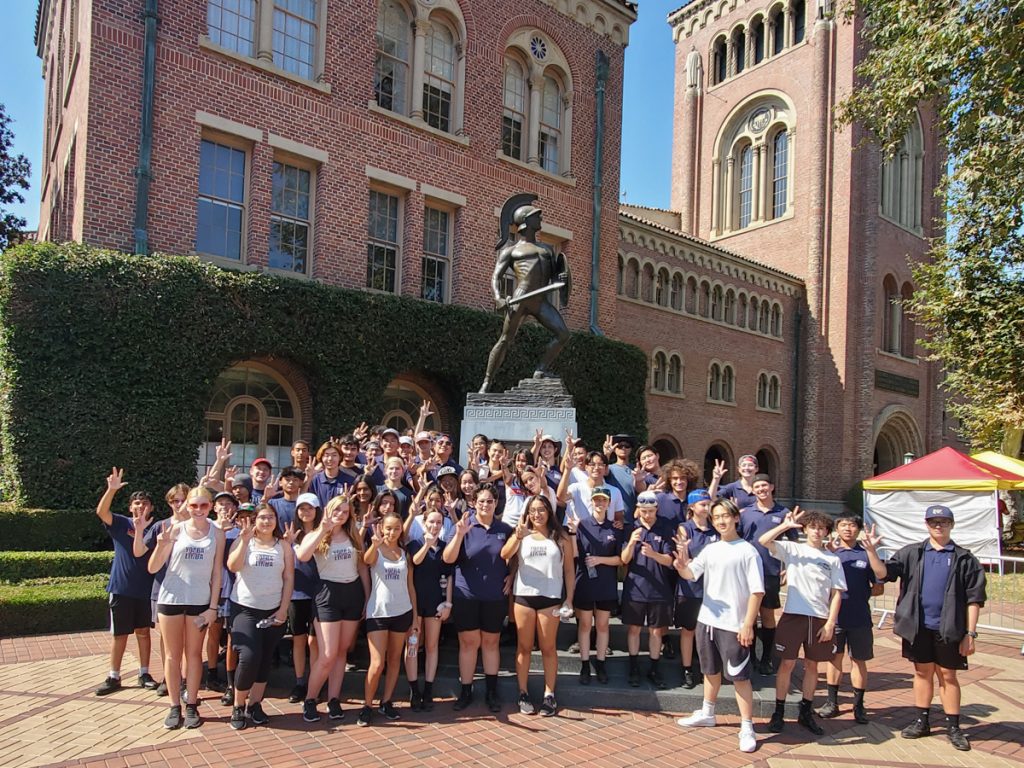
(330, 481)
(695, 534)
(291, 482)
(349, 469)
(942, 591)
(648, 464)
(130, 582)
(755, 521)
(598, 552)
(853, 630)
(649, 585)
(433, 583)
(621, 474)
(741, 491)
(481, 594)
(679, 476)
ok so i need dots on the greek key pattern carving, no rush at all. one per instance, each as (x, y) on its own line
(520, 414)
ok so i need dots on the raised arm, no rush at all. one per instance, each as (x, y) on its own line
(870, 541)
(791, 522)
(115, 482)
(716, 478)
(451, 550)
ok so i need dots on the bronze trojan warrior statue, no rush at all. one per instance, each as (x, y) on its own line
(538, 272)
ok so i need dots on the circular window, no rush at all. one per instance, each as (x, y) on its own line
(538, 48)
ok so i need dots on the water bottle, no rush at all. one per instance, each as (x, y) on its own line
(592, 571)
(413, 644)
(265, 623)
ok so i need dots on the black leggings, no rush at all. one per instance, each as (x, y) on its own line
(255, 647)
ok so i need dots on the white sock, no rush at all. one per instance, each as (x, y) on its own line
(709, 708)
(115, 674)
(143, 671)
(746, 726)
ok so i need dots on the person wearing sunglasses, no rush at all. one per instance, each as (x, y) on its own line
(442, 457)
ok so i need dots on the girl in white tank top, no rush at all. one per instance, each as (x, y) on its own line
(189, 569)
(259, 583)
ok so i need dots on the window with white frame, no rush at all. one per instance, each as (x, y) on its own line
(437, 254)
(291, 216)
(391, 65)
(513, 118)
(745, 187)
(383, 244)
(439, 76)
(231, 24)
(295, 36)
(550, 125)
(780, 173)
(658, 372)
(728, 384)
(220, 207)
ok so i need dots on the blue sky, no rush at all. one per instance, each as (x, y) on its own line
(646, 119)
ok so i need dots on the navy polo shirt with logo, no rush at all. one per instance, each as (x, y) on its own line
(699, 538)
(129, 575)
(738, 494)
(937, 565)
(480, 570)
(600, 540)
(671, 508)
(855, 610)
(754, 524)
(647, 580)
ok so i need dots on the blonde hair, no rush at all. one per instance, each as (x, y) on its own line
(350, 526)
(174, 490)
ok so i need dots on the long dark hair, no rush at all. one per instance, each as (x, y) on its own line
(318, 517)
(278, 533)
(555, 530)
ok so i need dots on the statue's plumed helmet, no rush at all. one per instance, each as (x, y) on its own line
(522, 213)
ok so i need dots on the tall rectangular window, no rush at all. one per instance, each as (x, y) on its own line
(382, 244)
(439, 77)
(437, 255)
(513, 116)
(780, 162)
(220, 208)
(294, 37)
(391, 64)
(746, 185)
(290, 218)
(550, 125)
(231, 24)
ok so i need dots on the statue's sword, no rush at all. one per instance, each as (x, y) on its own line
(539, 292)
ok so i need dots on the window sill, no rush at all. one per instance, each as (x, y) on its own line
(721, 402)
(763, 409)
(666, 393)
(416, 123)
(753, 226)
(287, 273)
(897, 356)
(71, 73)
(569, 181)
(916, 232)
(701, 318)
(220, 261)
(266, 66)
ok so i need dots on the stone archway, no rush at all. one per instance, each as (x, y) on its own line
(667, 448)
(896, 434)
(715, 452)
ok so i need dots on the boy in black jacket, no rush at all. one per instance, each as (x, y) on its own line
(942, 590)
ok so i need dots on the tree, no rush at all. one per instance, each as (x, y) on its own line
(14, 172)
(965, 59)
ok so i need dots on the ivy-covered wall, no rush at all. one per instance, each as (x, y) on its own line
(109, 360)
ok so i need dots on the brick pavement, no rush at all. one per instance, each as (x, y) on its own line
(49, 715)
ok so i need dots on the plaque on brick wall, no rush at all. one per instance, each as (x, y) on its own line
(892, 382)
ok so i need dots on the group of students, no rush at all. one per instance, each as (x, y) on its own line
(388, 532)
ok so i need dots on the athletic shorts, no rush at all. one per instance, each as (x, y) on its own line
(686, 612)
(224, 609)
(859, 642)
(537, 602)
(390, 623)
(181, 610)
(653, 615)
(720, 652)
(485, 615)
(772, 591)
(300, 616)
(340, 601)
(795, 632)
(929, 648)
(595, 605)
(128, 614)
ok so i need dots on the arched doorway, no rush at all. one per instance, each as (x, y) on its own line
(667, 448)
(402, 400)
(896, 434)
(768, 463)
(717, 452)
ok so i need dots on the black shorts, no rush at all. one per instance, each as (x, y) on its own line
(485, 615)
(595, 605)
(653, 615)
(719, 651)
(340, 601)
(859, 640)
(128, 614)
(390, 623)
(165, 609)
(929, 648)
(537, 602)
(686, 612)
(772, 591)
(300, 616)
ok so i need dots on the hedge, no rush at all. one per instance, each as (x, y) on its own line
(109, 360)
(16, 567)
(53, 605)
(54, 530)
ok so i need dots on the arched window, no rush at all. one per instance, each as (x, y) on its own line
(647, 288)
(907, 331)
(780, 173)
(729, 315)
(741, 312)
(402, 400)
(439, 76)
(765, 318)
(658, 370)
(633, 279)
(715, 382)
(719, 62)
(762, 390)
(391, 65)
(745, 186)
(799, 11)
(620, 276)
(774, 393)
(777, 23)
(728, 385)
(513, 118)
(900, 184)
(776, 320)
(739, 47)
(892, 317)
(717, 300)
(677, 291)
(705, 298)
(661, 288)
(675, 375)
(550, 125)
(757, 35)
(752, 321)
(691, 295)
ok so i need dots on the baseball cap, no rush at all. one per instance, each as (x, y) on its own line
(647, 499)
(246, 509)
(307, 498)
(938, 512)
(405, 440)
(548, 439)
(622, 438)
(696, 495)
(601, 490)
(225, 495)
(444, 471)
(421, 436)
(390, 431)
(260, 460)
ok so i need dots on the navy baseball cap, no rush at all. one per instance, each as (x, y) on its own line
(697, 495)
(938, 512)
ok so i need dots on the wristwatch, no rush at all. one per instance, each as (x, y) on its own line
(972, 634)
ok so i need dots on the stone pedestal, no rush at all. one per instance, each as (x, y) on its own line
(515, 416)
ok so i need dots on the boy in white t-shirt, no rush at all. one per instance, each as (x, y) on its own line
(815, 585)
(733, 588)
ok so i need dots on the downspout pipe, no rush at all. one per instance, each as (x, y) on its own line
(595, 235)
(794, 442)
(144, 170)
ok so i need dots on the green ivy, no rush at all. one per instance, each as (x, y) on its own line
(109, 360)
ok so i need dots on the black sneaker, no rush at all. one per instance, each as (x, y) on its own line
(525, 705)
(776, 723)
(146, 681)
(602, 673)
(549, 706)
(689, 679)
(238, 718)
(334, 710)
(492, 701)
(309, 713)
(585, 673)
(654, 675)
(110, 685)
(464, 700)
(828, 710)
(860, 714)
(173, 719)
(192, 719)
(916, 730)
(365, 715)
(765, 667)
(427, 702)
(958, 738)
(388, 710)
(257, 715)
(161, 690)
(298, 694)
(228, 699)
(215, 684)
(415, 700)
(806, 719)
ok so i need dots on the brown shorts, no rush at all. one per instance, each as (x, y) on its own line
(796, 631)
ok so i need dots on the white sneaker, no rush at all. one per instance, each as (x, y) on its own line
(698, 718)
(748, 741)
